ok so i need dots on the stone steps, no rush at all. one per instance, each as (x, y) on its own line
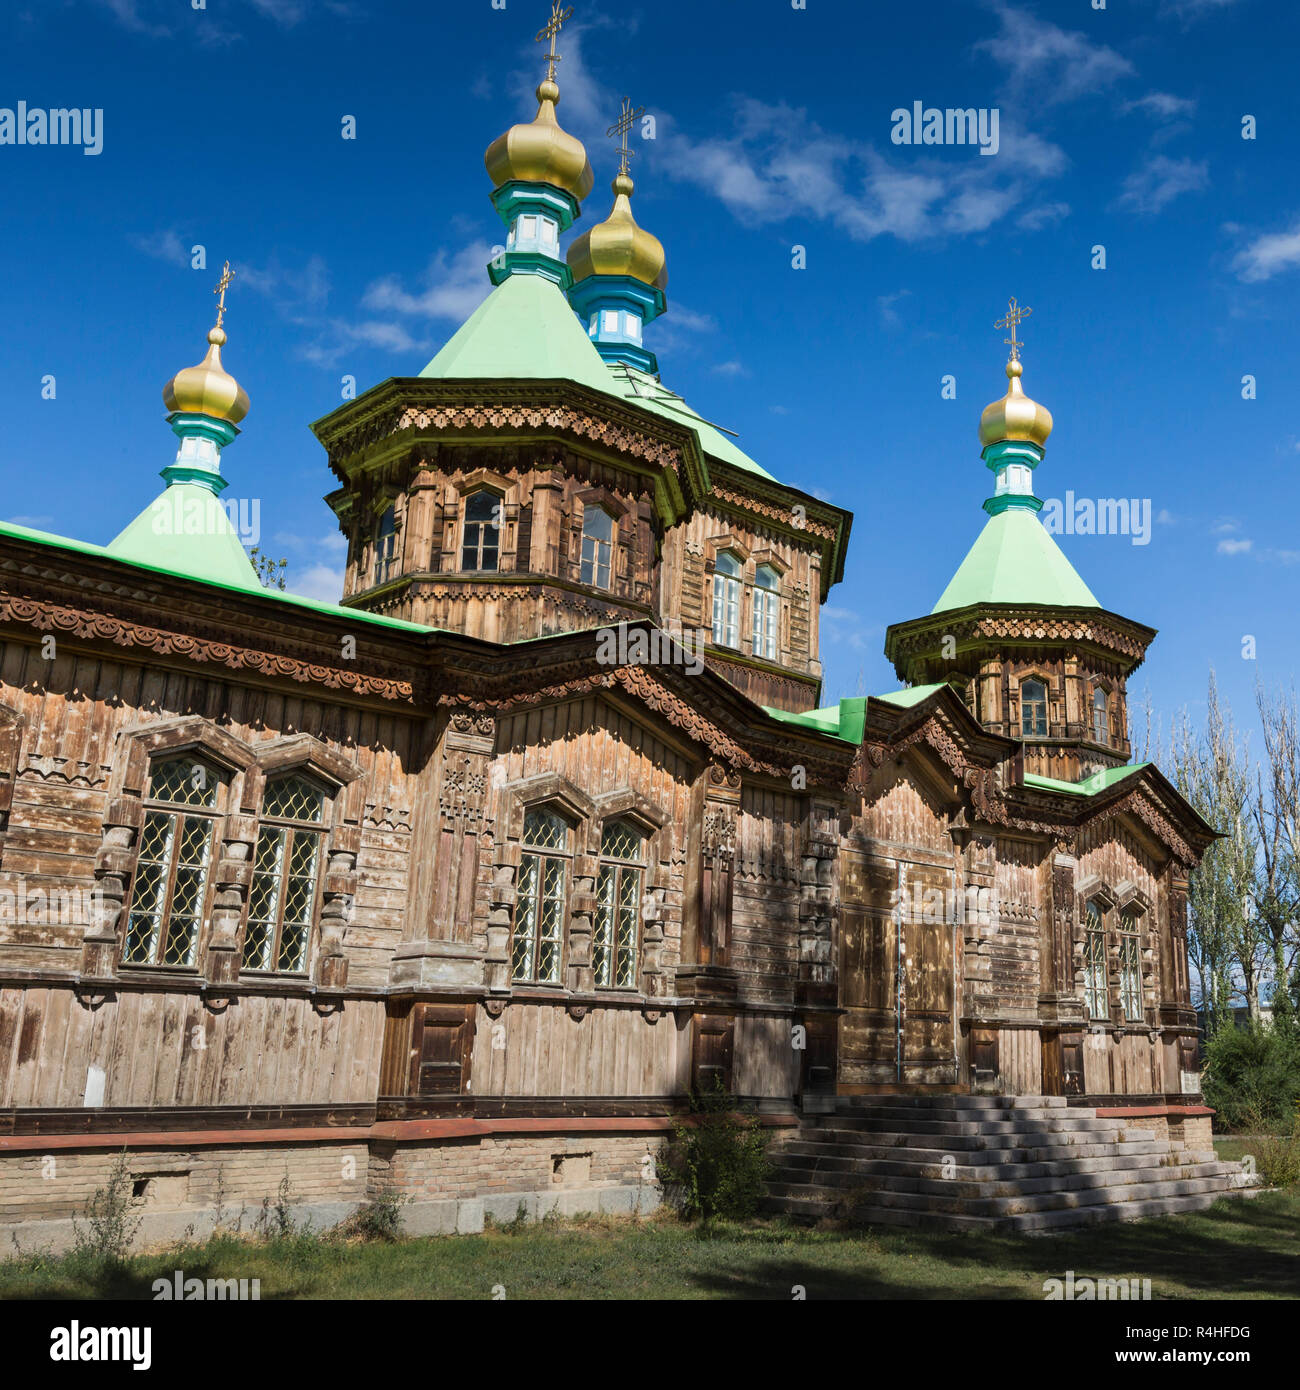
(985, 1162)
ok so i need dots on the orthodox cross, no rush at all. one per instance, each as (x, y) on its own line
(550, 30)
(621, 127)
(1015, 314)
(227, 275)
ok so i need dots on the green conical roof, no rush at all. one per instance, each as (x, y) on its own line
(1015, 560)
(524, 328)
(186, 530)
(648, 391)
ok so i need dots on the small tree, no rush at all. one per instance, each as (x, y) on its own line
(717, 1162)
(271, 572)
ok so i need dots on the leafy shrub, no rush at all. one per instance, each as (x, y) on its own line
(113, 1217)
(1278, 1157)
(1252, 1077)
(716, 1164)
(380, 1218)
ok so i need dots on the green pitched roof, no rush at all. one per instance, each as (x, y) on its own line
(1090, 786)
(1015, 560)
(336, 610)
(645, 390)
(186, 530)
(913, 695)
(844, 720)
(524, 328)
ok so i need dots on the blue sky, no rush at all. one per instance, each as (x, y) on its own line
(1119, 127)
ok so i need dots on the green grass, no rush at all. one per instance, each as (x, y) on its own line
(1238, 1249)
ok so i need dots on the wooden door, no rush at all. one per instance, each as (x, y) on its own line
(897, 969)
(868, 971)
(928, 972)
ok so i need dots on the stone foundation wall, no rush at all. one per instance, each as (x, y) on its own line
(451, 1184)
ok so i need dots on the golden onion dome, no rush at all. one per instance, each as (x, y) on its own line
(617, 246)
(1015, 416)
(540, 151)
(208, 389)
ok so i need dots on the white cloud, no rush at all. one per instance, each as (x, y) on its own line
(1269, 255)
(1058, 64)
(1241, 547)
(731, 368)
(165, 245)
(1042, 216)
(1158, 182)
(889, 316)
(1163, 105)
(292, 289)
(318, 582)
(452, 287)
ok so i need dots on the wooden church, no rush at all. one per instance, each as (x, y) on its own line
(462, 885)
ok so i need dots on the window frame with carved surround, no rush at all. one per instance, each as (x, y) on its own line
(765, 618)
(282, 833)
(620, 888)
(1130, 966)
(727, 594)
(159, 867)
(1096, 976)
(1044, 705)
(386, 560)
(1100, 721)
(590, 565)
(542, 898)
(493, 522)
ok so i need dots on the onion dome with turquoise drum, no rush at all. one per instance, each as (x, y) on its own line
(186, 529)
(619, 270)
(1015, 559)
(540, 175)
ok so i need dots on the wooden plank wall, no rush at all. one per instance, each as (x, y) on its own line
(538, 1049)
(765, 893)
(169, 1049)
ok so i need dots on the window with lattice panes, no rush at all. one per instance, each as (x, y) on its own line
(726, 600)
(1033, 709)
(537, 951)
(386, 546)
(618, 906)
(286, 874)
(1100, 716)
(480, 541)
(1096, 991)
(1130, 968)
(767, 607)
(597, 546)
(169, 893)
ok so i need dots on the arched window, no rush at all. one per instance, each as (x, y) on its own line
(170, 893)
(538, 950)
(286, 874)
(480, 539)
(1100, 717)
(597, 546)
(726, 600)
(1096, 991)
(1033, 709)
(386, 546)
(766, 609)
(618, 906)
(1130, 966)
